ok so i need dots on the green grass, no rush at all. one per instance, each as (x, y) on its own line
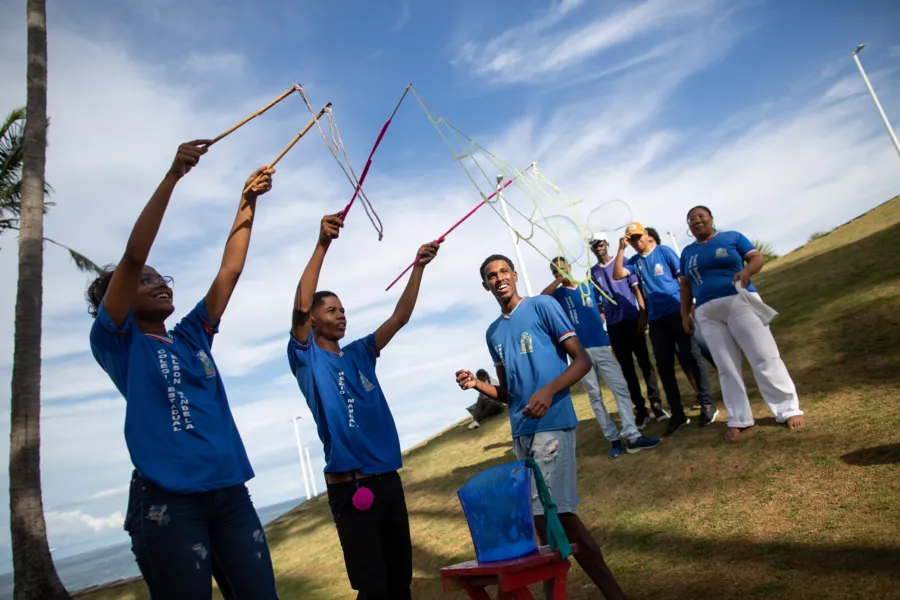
(808, 514)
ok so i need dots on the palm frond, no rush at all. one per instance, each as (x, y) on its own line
(82, 262)
(11, 155)
(765, 249)
(14, 118)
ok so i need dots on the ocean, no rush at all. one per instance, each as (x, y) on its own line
(116, 562)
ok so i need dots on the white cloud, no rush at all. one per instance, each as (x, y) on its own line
(110, 493)
(76, 519)
(544, 48)
(405, 15)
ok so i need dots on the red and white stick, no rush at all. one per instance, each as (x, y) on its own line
(460, 222)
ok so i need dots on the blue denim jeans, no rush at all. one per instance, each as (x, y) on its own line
(554, 453)
(182, 541)
(606, 367)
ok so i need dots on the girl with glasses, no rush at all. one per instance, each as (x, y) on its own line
(189, 514)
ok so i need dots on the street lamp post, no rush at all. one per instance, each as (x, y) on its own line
(512, 234)
(300, 452)
(884, 118)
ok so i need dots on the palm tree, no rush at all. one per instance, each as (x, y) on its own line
(12, 144)
(765, 249)
(34, 574)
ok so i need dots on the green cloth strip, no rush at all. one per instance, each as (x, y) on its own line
(556, 535)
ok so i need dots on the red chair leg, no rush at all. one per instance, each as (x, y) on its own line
(559, 587)
(477, 593)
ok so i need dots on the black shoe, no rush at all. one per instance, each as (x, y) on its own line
(658, 412)
(642, 418)
(676, 423)
(705, 418)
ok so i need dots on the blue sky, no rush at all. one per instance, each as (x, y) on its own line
(752, 108)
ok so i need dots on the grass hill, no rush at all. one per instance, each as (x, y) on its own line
(809, 514)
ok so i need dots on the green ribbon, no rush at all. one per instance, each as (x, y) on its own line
(556, 535)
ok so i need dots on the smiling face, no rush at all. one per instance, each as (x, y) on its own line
(328, 319)
(641, 243)
(153, 301)
(500, 279)
(701, 223)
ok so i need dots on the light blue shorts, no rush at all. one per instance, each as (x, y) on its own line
(554, 452)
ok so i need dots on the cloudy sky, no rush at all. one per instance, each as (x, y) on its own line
(753, 108)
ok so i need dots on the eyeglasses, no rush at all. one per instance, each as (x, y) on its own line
(697, 219)
(151, 280)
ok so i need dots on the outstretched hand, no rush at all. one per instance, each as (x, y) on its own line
(187, 157)
(330, 228)
(465, 380)
(259, 182)
(427, 252)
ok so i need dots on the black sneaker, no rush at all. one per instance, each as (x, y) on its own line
(676, 423)
(659, 412)
(642, 419)
(705, 419)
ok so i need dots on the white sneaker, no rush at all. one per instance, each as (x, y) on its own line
(474, 425)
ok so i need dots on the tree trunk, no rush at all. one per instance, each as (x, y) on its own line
(34, 573)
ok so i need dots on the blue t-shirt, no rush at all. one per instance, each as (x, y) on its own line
(658, 273)
(580, 305)
(712, 265)
(625, 308)
(528, 344)
(352, 416)
(178, 426)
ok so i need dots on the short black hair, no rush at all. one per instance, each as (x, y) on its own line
(701, 207)
(319, 298)
(556, 260)
(654, 234)
(481, 373)
(491, 259)
(97, 289)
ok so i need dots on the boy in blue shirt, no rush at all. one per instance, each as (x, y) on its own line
(581, 304)
(530, 342)
(626, 324)
(658, 270)
(354, 422)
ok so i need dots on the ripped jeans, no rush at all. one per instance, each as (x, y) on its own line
(554, 452)
(182, 541)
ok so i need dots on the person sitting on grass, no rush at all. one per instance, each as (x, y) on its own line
(581, 305)
(355, 424)
(190, 517)
(485, 407)
(530, 342)
(712, 265)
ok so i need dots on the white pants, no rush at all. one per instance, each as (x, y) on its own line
(606, 367)
(730, 327)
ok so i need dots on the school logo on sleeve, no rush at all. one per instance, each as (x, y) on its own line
(721, 252)
(208, 365)
(525, 344)
(368, 385)
(657, 269)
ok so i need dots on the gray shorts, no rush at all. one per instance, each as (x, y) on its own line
(554, 452)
